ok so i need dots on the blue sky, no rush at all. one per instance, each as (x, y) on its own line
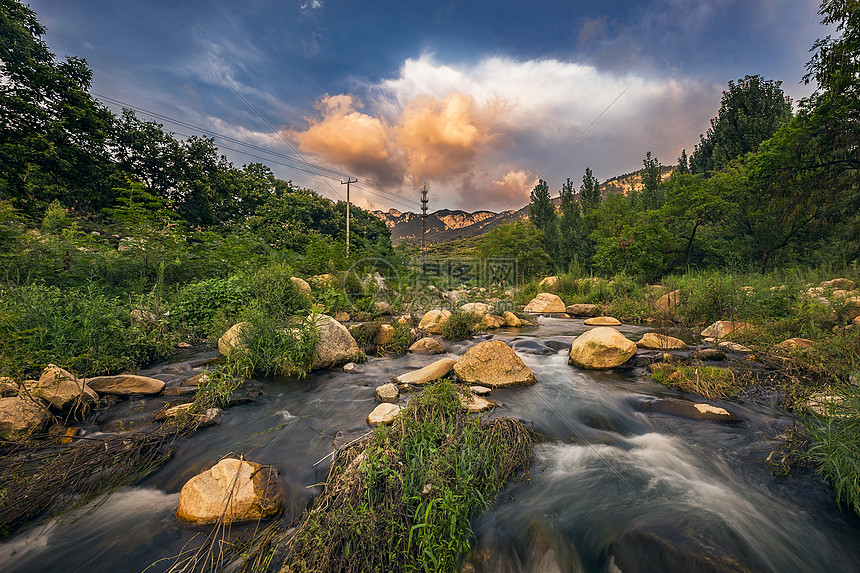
(474, 99)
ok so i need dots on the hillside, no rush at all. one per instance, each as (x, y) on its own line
(448, 225)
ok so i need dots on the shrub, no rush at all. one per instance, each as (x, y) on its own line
(460, 326)
(708, 381)
(199, 303)
(275, 294)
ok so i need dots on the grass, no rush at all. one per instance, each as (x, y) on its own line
(403, 499)
(459, 326)
(708, 381)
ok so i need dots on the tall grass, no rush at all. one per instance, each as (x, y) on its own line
(403, 500)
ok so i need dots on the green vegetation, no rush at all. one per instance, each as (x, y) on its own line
(708, 381)
(459, 326)
(403, 499)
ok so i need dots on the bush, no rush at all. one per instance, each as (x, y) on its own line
(199, 303)
(460, 326)
(276, 295)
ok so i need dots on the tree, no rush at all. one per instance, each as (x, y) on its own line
(650, 195)
(52, 132)
(520, 241)
(543, 216)
(569, 226)
(683, 166)
(589, 191)
(751, 111)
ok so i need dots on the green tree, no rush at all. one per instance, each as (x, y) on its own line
(52, 132)
(650, 195)
(589, 192)
(543, 216)
(569, 226)
(751, 111)
(520, 241)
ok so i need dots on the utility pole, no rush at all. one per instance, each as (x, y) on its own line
(347, 182)
(423, 219)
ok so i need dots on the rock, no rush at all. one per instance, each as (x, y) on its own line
(548, 283)
(545, 303)
(669, 300)
(336, 345)
(654, 341)
(183, 345)
(404, 319)
(479, 390)
(8, 387)
(383, 307)
(710, 354)
(235, 489)
(384, 335)
(823, 404)
(350, 367)
(734, 347)
(490, 321)
(851, 308)
(856, 321)
(472, 403)
(179, 391)
(602, 321)
(60, 388)
(342, 316)
(723, 328)
(492, 363)
(231, 341)
(433, 320)
(511, 319)
(383, 414)
(600, 348)
(690, 410)
(476, 309)
(207, 418)
(302, 284)
(429, 373)
(21, 417)
(795, 344)
(323, 281)
(144, 317)
(126, 384)
(427, 345)
(197, 379)
(840, 284)
(582, 309)
(387, 393)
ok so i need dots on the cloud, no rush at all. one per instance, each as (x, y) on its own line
(481, 132)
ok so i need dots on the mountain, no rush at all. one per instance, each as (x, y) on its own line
(447, 225)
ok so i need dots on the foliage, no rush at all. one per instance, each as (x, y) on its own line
(459, 326)
(708, 381)
(403, 499)
(543, 216)
(521, 242)
(198, 304)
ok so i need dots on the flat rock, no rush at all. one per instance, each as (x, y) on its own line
(126, 385)
(734, 347)
(582, 309)
(655, 341)
(383, 414)
(479, 390)
(238, 490)
(473, 403)
(602, 321)
(601, 348)
(429, 373)
(710, 354)
(545, 303)
(795, 344)
(691, 410)
(387, 393)
(336, 345)
(427, 345)
(492, 363)
(21, 417)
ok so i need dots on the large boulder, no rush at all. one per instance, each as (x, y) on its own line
(545, 303)
(602, 321)
(302, 284)
(126, 384)
(231, 341)
(60, 388)
(427, 345)
(429, 373)
(548, 283)
(582, 309)
(840, 284)
(492, 363)
(433, 320)
(600, 348)
(723, 328)
(238, 490)
(691, 410)
(20, 417)
(654, 341)
(336, 345)
(669, 300)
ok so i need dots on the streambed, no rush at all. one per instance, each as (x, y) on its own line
(617, 488)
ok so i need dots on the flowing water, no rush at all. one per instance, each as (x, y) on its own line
(616, 488)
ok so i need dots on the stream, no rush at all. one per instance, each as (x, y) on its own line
(616, 488)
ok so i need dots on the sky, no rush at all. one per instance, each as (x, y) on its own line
(476, 100)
